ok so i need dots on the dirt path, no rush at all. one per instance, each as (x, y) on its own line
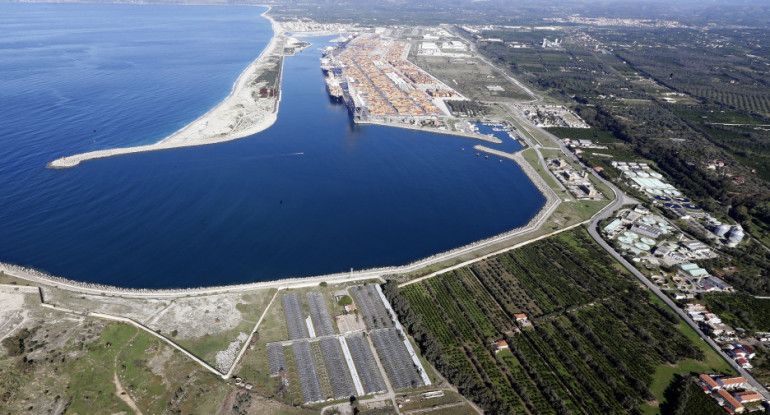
(122, 394)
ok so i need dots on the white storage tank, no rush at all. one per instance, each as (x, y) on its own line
(721, 230)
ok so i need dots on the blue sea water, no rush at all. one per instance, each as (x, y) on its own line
(313, 194)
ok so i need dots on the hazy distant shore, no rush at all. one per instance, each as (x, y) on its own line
(239, 115)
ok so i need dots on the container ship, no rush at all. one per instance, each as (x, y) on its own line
(334, 87)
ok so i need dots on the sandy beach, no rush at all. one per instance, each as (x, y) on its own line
(243, 113)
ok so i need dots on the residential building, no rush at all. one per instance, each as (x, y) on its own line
(730, 401)
(500, 345)
(732, 382)
(709, 382)
(744, 363)
(748, 396)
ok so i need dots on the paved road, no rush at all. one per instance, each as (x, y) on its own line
(594, 232)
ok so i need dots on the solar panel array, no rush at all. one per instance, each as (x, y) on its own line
(275, 358)
(294, 320)
(320, 314)
(396, 359)
(308, 376)
(370, 305)
(367, 368)
(339, 376)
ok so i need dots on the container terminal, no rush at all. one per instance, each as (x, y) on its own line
(371, 75)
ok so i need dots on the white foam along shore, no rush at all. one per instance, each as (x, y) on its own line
(237, 116)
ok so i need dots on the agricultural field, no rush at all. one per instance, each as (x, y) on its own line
(597, 341)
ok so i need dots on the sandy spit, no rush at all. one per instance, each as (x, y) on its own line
(237, 116)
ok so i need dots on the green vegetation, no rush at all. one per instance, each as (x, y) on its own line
(746, 267)
(741, 310)
(593, 134)
(345, 300)
(467, 108)
(684, 396)
(17, 344)
(597, 346)
(761, 365)
(721, 111)
(75, 367)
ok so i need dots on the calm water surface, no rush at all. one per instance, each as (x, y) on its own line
(313, 194)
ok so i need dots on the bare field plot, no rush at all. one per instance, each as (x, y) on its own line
(202, 324)
(474, 79)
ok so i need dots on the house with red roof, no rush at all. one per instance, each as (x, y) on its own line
(730, 401)
(732, 382)
(748, 396)
(710, 383)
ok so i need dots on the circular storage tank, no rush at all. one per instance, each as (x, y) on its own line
(691, 206)
(736, 235)
(656, 175)
(673, 206)
(631, 235)
(648, 220)
(722, 230)
(675, 192)
(663, 198)
(625, 240)
(682, 199)
(643, 247)
(648, 241)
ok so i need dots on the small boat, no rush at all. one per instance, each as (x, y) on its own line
(501, 160)
(477, 154)
(486, 157)
(463, 148)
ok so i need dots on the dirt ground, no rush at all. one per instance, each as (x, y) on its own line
(350, 322)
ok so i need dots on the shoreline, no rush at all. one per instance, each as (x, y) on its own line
(241, 93)
(474, 136)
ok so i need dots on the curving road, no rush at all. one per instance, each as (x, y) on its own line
(593, 230)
